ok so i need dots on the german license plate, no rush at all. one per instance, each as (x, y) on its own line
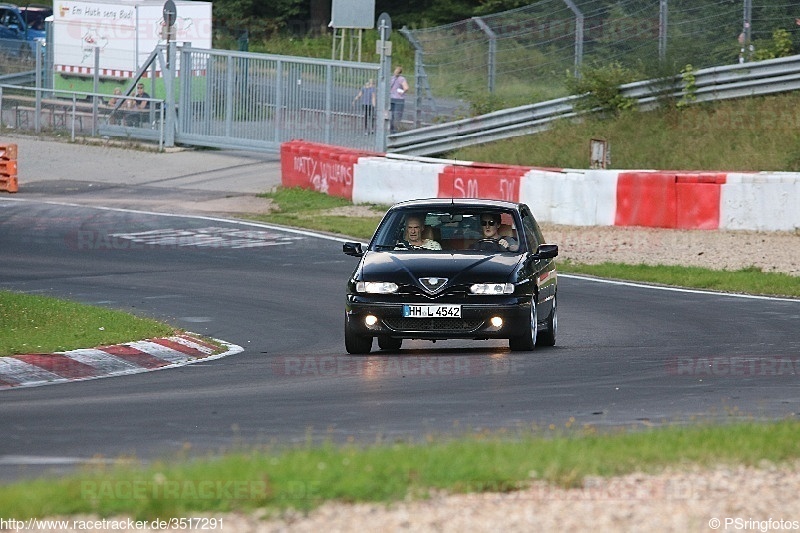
(432, 311)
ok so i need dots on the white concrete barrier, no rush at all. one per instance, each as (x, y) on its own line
(762, 201)
(377, 180)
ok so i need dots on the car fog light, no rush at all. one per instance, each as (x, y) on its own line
(371, 320)
(496, 321)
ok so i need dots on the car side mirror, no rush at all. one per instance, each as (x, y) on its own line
(546, 251)
(353, 248)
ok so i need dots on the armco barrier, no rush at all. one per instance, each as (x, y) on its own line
(665, 199)
(8, 168)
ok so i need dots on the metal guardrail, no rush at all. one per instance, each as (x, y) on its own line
(711, 84)
(18, 78)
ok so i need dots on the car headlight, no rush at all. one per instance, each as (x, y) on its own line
(492, 288)
(376, 287)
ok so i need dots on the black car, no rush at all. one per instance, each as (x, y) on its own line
(453, 269)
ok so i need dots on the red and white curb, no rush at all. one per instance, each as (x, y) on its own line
(30, 370)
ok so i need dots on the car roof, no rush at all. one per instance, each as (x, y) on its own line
(457, 202)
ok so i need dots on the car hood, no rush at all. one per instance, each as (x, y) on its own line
(458, 268)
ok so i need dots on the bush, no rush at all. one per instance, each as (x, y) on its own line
(601, 88)
(780, 46)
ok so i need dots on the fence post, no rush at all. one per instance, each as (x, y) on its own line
(384, 74)
(663, 12)
(169, 87)
(578, 36)
(492, 49)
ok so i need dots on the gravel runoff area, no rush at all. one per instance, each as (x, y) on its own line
(721, 250)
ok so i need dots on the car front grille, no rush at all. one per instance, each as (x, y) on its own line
(432, 324)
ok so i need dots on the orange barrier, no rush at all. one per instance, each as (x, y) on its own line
(698, 200)
(8, 168)
(669, 199)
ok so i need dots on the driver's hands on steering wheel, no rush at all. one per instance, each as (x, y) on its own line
(495, 243)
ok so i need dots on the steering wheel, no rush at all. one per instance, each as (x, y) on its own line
(405, 245)
(488, 245)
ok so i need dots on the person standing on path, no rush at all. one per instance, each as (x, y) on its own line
(366, 95)
(397, 95)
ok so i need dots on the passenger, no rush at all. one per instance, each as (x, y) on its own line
(118, 103)
(490, 226)
(415, 225)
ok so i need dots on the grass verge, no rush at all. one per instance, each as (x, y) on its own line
(747, 134)
(745, 281)
(40, 324)
(303, 478)
(317, 211)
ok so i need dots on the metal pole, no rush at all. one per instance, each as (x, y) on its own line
(169, 86)
(492, 50)
(662, 29)
(95, 90)
(384, 74)
(747, 46)
(579, 22)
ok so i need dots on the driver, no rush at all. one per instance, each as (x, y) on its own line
(490, 226)
(415, 224)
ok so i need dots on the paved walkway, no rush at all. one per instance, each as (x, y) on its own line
(177, 180)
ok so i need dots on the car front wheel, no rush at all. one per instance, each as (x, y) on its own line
(354, 343)
(527, 341)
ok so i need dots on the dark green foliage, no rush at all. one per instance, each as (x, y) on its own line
(601, 85)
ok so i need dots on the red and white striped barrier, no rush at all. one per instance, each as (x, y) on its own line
(664, 199)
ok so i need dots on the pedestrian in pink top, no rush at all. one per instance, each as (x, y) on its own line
(397, 95)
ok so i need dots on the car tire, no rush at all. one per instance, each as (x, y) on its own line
(548, 337)
(527, 341)
(389, 343)
(354, 343)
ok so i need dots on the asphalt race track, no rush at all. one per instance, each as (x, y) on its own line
(627, 355)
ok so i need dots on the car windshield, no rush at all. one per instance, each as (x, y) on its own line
(453, 229)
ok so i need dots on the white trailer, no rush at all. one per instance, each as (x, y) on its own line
(124, 31)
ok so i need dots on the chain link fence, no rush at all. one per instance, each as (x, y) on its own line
(525, 55)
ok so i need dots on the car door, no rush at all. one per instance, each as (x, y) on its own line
(543, 271)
